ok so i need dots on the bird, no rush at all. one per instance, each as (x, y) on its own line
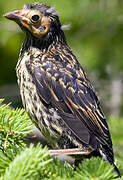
(55, 90)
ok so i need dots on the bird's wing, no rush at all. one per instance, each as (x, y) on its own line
(74, 100)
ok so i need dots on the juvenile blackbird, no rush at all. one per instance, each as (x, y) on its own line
(55, 90)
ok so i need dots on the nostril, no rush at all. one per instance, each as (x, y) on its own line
(18, 12)
(21, 12)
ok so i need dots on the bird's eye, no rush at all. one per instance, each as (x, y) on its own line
(35, 18)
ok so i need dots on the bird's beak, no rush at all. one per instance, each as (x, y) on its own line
(18, 16)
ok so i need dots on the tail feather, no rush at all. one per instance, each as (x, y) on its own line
(117, 171)
(108, 155)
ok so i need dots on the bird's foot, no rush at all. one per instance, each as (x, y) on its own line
(70, 151)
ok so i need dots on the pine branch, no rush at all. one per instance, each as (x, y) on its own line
(61, 170)
(4, 162)
(36, 163)
(14, 126)
(95, 169)
(32, 163)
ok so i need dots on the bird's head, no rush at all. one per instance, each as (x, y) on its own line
(40, 20)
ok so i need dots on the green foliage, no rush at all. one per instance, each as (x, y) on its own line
(14, 125)
(36, 163)
(32, 163)
(20, 162)
(95, 168)
(4, 162)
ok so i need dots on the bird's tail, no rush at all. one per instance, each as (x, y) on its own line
(117, 171)
(108, 155)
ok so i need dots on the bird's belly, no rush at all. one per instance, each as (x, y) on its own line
(43, 118)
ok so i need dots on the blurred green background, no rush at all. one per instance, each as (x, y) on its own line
(95, 36)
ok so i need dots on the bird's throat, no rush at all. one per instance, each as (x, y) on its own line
(44, 42)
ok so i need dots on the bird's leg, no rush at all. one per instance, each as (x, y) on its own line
(70, 151)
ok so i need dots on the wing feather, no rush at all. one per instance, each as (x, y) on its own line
(75, 101)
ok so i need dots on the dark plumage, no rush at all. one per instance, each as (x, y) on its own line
(54, 88)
